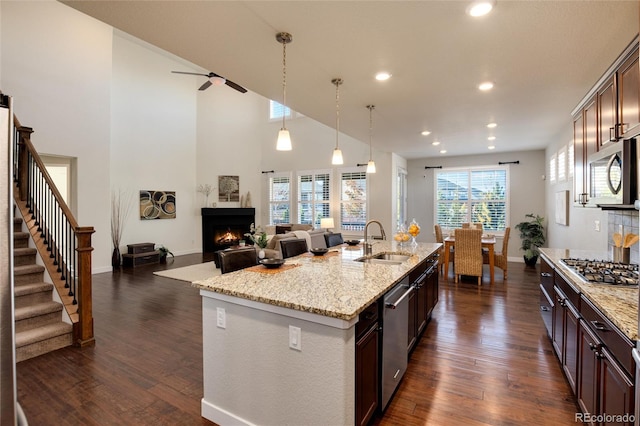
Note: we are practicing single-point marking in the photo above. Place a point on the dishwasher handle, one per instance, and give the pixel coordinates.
(395, 304)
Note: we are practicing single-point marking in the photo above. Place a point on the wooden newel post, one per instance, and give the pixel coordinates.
(24, 133)
(83, 329)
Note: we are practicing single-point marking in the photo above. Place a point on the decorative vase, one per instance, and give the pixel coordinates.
(115, 258)
(163, 259)
(261, 254)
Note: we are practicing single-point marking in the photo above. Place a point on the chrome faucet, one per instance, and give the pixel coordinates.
(367, 245)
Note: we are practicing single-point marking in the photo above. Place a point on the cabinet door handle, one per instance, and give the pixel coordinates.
(545, 274)
(598, 325)
(544, 308)
(612, 136)
(593, 347)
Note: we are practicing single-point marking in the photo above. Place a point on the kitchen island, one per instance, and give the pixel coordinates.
(279, 347)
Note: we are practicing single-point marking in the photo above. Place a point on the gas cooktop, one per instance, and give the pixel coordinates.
(604, 271)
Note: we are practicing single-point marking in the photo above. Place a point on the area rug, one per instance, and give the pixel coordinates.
(192, 273)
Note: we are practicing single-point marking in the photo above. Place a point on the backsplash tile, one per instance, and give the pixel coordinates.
(628, 220)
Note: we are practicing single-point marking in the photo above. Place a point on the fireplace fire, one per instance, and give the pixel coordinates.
(224, 227)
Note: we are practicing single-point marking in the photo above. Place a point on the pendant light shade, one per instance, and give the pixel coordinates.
(337, 159)
(371, 165)
(284, 139)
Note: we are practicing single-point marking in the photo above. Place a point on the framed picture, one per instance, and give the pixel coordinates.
(157, 204)
(562, 208)
(229, 188)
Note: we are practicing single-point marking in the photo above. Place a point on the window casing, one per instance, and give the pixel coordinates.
(402, 196)
(472, 195)
(314, 197)
(353, 200)
(280, 199)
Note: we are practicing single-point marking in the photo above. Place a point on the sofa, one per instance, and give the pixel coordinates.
(315, 237)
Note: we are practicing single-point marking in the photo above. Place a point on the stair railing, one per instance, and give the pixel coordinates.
(68, 245)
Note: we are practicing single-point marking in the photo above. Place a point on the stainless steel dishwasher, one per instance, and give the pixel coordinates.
(395, 325)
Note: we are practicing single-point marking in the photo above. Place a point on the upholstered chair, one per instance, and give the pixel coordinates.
(500, 258)
(333, 239)
(469, 253)
(234, 260)
(293, 247)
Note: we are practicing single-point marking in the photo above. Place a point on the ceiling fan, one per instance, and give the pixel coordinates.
(215, 80)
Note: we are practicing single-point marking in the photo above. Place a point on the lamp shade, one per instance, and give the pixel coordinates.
(284, 140)
(371, 167)
(337, 157)
(326, 223)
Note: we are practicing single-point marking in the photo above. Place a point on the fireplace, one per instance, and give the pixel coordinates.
(222, 228)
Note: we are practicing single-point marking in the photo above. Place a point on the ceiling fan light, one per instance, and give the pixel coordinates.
(480, 7)
(284, 140)
(337, 160)
(371, 166)
(216, 80)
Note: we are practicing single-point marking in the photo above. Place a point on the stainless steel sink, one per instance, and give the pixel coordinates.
(384, 258)
(391, 256)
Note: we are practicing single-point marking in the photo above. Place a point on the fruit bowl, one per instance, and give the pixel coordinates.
(319, 251)
(352, 242)
(272, 263)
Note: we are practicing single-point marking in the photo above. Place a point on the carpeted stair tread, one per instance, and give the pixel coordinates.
(26, 289)
(37, 310)
(27, 269)
(24, 251)
(39, 334)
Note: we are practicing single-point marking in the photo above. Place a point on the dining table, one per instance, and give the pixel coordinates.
(488, 242)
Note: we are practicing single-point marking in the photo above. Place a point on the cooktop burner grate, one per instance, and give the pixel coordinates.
(604, 271)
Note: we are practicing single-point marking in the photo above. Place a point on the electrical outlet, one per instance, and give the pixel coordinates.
(295, 338)
(221, 318)
(597, 226)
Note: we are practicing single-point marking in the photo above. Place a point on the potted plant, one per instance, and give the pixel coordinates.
(163, 253)
(532, 236)
(259, 238)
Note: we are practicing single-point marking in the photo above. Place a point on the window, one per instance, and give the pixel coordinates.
(570, 161)
(562, 164)
(277, 110)
(472, 195)
(353, 201)
(279, 199)
(314, 197)
(552, 169)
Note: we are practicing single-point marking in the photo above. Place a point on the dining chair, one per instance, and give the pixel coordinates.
(468, 253)
(477, 225)
(293, 247)
(234, 260)
(440, 239)
(500, 258)
(333, 239)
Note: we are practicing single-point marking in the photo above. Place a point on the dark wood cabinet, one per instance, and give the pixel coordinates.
(412, 329)
(546, 295)
(607, 118)
(605, 384)
(565, 327)
(629, 97)
(579, 161)
(424, 280)
(367, 380)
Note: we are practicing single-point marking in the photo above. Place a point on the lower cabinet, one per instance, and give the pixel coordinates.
(565, 328)
(367, 380)
(422, 300)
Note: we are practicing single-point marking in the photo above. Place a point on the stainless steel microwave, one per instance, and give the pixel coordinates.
(612, 175)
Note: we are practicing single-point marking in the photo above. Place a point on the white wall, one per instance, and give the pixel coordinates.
(526, 194)
(61, 86)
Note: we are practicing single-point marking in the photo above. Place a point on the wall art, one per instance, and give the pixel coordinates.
(229, 188)
(157, 204)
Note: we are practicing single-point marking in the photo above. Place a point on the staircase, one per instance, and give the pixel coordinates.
(38, 318)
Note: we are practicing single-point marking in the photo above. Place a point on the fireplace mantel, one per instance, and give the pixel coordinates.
(238, 219)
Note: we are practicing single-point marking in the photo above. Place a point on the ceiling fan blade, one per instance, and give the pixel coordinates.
(205, 85)
(236, 86)
(190, 73)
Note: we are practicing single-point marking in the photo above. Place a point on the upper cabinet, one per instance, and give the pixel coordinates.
(608, 113)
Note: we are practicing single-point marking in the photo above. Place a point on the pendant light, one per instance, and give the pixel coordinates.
(337, 153)
(371, 165)
(284, 139)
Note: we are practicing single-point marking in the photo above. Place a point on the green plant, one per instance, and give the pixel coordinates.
(258, 236)
(532, 235)
(164, 251)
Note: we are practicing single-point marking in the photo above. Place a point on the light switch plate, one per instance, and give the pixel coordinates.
(295, 338)
(221, 318)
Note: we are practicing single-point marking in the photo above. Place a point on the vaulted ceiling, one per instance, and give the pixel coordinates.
(542, 56)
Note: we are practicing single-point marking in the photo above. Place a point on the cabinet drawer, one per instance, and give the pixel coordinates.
(617, 343)
(546, 276)
(569, 290)
(366, 318)
(419, 270)
(140, 248)
(140, 259)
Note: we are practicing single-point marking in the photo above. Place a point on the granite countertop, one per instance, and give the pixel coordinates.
(618, 303)
(332, 285)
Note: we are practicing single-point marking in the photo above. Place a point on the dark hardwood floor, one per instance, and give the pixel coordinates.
(484, 359)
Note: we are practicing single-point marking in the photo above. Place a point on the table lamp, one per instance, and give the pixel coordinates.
(327, 223)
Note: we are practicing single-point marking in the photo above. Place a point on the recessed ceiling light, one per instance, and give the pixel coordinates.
(487, 85)
(435, 143)
(443, 151)
(492, 125)
(425, 133)
(480, 7)
(491, 138)
(491, 147)
(382, 76)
